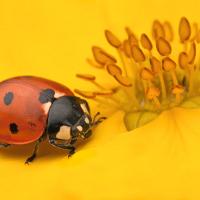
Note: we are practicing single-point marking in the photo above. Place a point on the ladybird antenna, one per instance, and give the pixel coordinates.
(96, 121)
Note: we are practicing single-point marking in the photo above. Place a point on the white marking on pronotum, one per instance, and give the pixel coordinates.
(80, 128)
(84, 108)
(46, 107)
(58, 94)
(64, 133)
(87, 120)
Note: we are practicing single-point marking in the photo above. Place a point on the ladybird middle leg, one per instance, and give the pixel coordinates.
(34, 154)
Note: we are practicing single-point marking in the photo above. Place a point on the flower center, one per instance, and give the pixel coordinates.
(150, 77)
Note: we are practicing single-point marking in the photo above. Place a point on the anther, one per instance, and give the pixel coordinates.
(112, 39)
(169, 35)
(85, 94)
(157, 30)
(146, 74)
(192, 53)
(163, 46)
(123, 80)
(155, 65)
(88, 77)
(127, 48)
(183, 60)
(137, 54)
(146, 42)
(152, 94)
(113, 69)
(128, 31)
(132, 40)
(184, 29)
(102, 57)
(168, 64)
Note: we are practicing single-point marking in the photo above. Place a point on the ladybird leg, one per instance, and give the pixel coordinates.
(33, 156)
(4, 145)
(69, 146)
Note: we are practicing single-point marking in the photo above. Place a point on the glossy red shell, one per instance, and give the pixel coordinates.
(25, 110)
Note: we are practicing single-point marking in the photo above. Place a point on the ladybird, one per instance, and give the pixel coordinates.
(33, 109)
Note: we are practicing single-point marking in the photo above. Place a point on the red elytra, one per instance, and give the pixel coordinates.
(24, 108)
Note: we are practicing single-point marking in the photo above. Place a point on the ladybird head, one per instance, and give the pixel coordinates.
(85, 124)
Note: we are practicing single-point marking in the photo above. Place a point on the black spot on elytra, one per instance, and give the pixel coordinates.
(46, 95)
(8, 98)
(13, 128)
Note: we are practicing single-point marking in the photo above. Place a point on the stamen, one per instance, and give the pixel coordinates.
(94, 95)
(104, 93)
(183, 60)
(94, 64)
(163, 46)
(191, 59)
(192, 53)
(152, 94)
(178, 90)
(137, 54)
(194, 30)
(86, 94)
(120, 53)
(102, 57)
(169, 66)
(184, 29)
(128, 31)
(156, 67)
(146, 42)
(157, 30)
(146, 74)
(127, 48)
(123, 80)
(113, 69)
(150, 76)
(116, 43)
(198, 36)
(88, 77)
(132, 40)
(91, 78)
(112, 39)
(169, 35)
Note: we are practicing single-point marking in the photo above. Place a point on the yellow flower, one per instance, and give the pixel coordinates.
(51, 39)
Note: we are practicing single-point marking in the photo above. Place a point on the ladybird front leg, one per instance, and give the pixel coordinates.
(63, 145)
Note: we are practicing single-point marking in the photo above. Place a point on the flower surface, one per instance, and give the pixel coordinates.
(157, 161)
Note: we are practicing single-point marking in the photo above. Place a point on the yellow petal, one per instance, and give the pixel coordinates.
(158, 161)
(52, 39)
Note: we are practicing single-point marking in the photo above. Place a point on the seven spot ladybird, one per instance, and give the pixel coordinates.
(33, 109)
